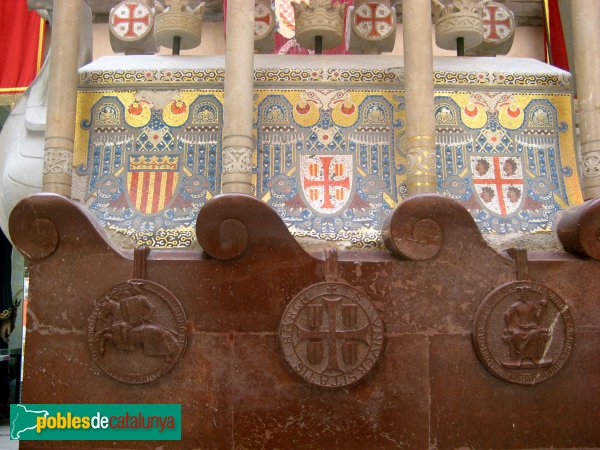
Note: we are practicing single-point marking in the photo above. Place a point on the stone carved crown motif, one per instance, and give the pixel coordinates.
(319, 11)
(319, 15)
(178, 19)
(181, 6)
(460, 19)
(441, 10)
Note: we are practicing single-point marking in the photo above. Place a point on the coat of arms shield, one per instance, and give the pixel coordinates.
(498, 182)
(152, 181)
(326, 181)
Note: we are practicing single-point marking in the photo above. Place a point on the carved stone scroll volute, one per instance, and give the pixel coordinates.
(579, 229)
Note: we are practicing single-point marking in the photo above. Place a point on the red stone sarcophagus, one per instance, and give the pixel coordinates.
(439, 342)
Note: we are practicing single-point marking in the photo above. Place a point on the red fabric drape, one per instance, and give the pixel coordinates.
(284, 39)
(21, 46)
(554, 39)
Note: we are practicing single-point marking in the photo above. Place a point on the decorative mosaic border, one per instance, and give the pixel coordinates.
(150, 77)
(390, 75)
(502, 79)
(365, 238)
(174, 238)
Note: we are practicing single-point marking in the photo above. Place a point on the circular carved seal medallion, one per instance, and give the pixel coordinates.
(331, 334)
(137, 331)
(523, 332)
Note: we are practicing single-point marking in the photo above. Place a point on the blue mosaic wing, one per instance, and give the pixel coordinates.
(110, 139)
(539, 144)
(279, 140)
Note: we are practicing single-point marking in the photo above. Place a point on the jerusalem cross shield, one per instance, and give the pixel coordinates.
(326, 181)
(498, 182)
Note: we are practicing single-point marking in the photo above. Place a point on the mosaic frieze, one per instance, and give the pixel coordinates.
(149, 161)
(328, 158)
(150, 76)
(329, 162)
(508, 158)
(262, 75)
(490, 79)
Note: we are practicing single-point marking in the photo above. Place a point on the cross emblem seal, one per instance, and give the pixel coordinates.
(263, 20)
(331, 334)
(130, 21)
(373, 20)
(498, 22)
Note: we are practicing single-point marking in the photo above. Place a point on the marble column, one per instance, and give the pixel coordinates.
(419, 140)
(238, 141)
(586, 34)
(62, 97)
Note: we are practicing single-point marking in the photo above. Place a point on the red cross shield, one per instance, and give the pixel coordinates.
(326, 181)
(498, 182)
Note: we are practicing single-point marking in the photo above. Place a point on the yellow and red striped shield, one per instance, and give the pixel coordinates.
(151, 190)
